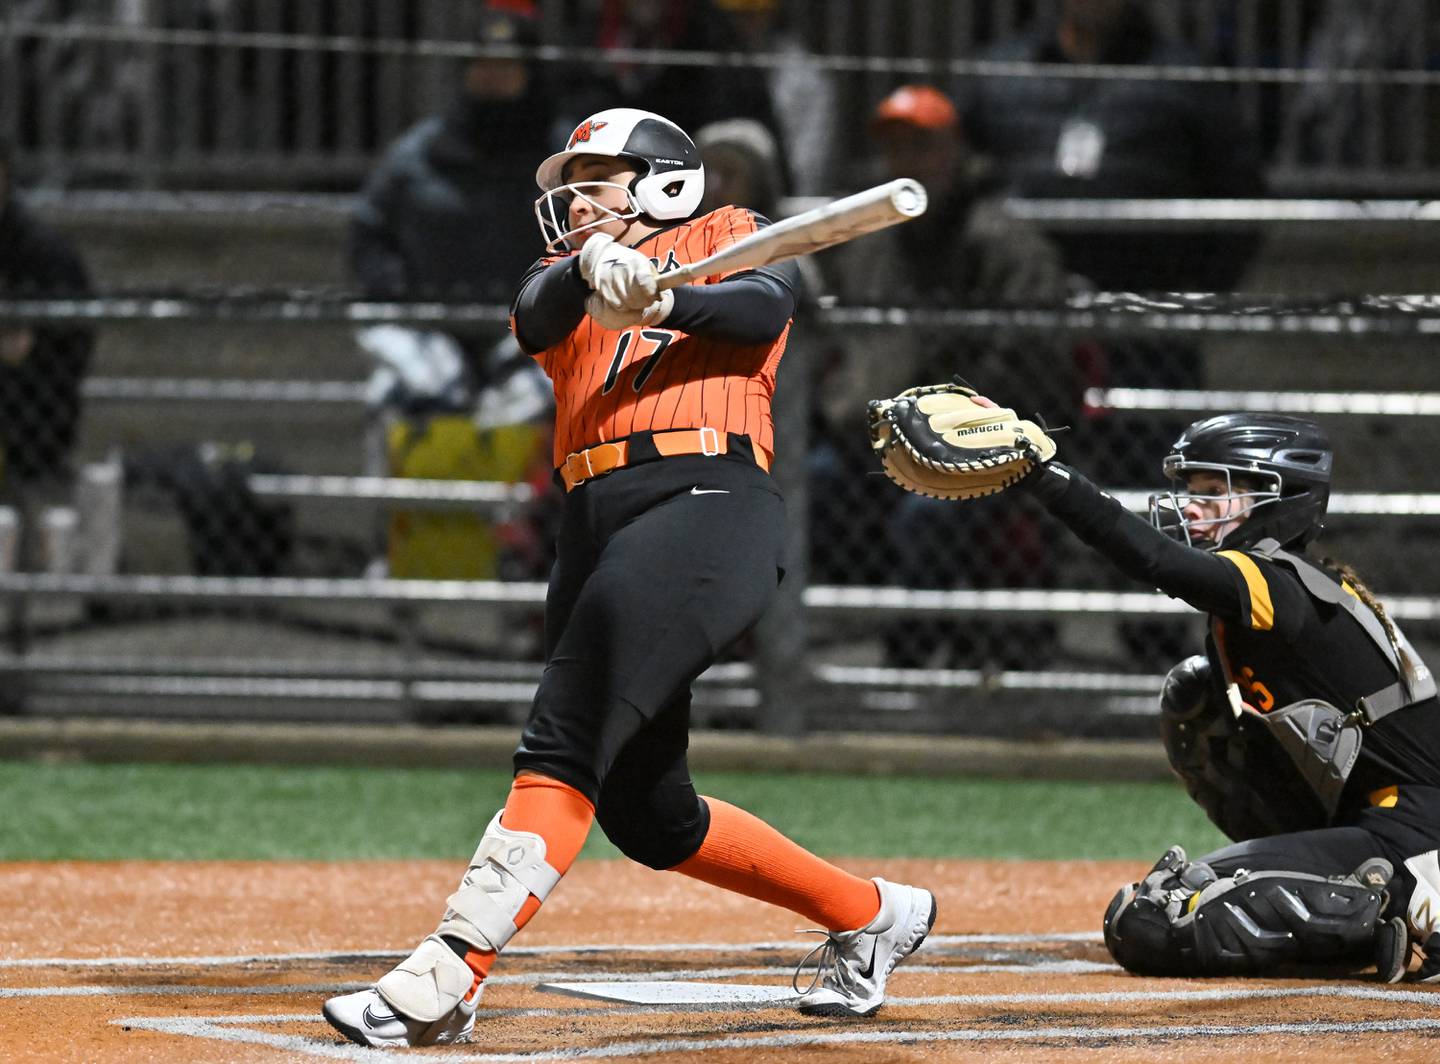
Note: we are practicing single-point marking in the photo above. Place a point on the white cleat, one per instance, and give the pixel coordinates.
(368, 1020)
(852, 966)
(429, 998)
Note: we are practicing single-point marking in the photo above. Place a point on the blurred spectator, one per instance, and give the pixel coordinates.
(964, 250)
(1135, 137)
(448, 214)
(1361, 125)
(804, 96)
(742, 166)
(690, 96)
(41, 366)
(1057, 137)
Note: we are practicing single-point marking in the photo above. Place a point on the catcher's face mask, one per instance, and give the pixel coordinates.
(1206, 502)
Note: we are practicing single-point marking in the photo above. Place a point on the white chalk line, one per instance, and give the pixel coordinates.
(332, 956)
(227, 1029)
(1121, 997)
(233, 1029)
(522, 978)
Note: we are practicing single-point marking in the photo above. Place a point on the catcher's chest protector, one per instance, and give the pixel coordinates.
(1324, 740)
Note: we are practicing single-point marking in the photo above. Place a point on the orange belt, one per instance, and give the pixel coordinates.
(606, 457)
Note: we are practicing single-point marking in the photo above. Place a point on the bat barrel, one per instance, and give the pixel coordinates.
(834, 223)
(904, 196)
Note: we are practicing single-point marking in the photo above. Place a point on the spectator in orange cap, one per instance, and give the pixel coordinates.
(965, 247)
(918, 131)
(964, 250)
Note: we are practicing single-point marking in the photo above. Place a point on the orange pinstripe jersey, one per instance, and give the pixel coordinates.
(610, 383)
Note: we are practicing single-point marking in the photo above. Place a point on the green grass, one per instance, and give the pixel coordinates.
(51, 811)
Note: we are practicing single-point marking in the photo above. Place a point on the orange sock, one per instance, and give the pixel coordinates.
(560, 815)
(742, 853)
(555, 811)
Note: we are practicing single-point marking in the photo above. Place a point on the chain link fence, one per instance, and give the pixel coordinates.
(240, 479)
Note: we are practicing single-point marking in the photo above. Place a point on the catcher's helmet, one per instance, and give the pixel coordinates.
(1286, 461)
(670, 181)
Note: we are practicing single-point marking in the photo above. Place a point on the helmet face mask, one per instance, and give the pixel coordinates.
(670, 181)
(552, 211)
(1231, 506)
(1275, 471)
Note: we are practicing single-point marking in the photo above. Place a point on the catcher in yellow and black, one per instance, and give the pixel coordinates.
(1309, 730)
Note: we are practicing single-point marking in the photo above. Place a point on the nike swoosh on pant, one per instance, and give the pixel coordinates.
(697, 490)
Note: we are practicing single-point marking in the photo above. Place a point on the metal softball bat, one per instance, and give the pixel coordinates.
(825, 226)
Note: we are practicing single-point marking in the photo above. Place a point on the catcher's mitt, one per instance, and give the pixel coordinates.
(938, 441)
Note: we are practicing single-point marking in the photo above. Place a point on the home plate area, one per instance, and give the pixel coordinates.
(210, 962)
(962, 997)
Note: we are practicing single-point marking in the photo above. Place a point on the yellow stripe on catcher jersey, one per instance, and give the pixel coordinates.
(1262, 611)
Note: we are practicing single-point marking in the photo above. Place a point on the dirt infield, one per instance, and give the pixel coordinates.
(132, 961)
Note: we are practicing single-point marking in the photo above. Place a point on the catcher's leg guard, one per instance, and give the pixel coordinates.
(1182, 920)
(507, 868)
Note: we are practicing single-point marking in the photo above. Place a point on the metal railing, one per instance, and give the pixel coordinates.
(140, 92)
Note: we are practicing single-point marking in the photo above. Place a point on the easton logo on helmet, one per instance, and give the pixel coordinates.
(584, 131)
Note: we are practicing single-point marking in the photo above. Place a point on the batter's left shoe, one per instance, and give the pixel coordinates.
(852, 966)
(368, 1020)
(428, 999)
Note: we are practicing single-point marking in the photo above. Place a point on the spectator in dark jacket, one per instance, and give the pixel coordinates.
(1058, 137)
(41, 365)
(446, 212)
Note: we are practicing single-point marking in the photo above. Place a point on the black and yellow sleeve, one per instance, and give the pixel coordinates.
(1257, 608)
(1271, 597)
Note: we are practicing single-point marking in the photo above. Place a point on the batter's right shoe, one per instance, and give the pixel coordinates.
(852, 966)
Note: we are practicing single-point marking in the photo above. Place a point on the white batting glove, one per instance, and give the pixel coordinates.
(620, 275)
(608, 317)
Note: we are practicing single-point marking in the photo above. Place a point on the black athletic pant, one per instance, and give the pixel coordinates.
(1410, 827)
(659, 567)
